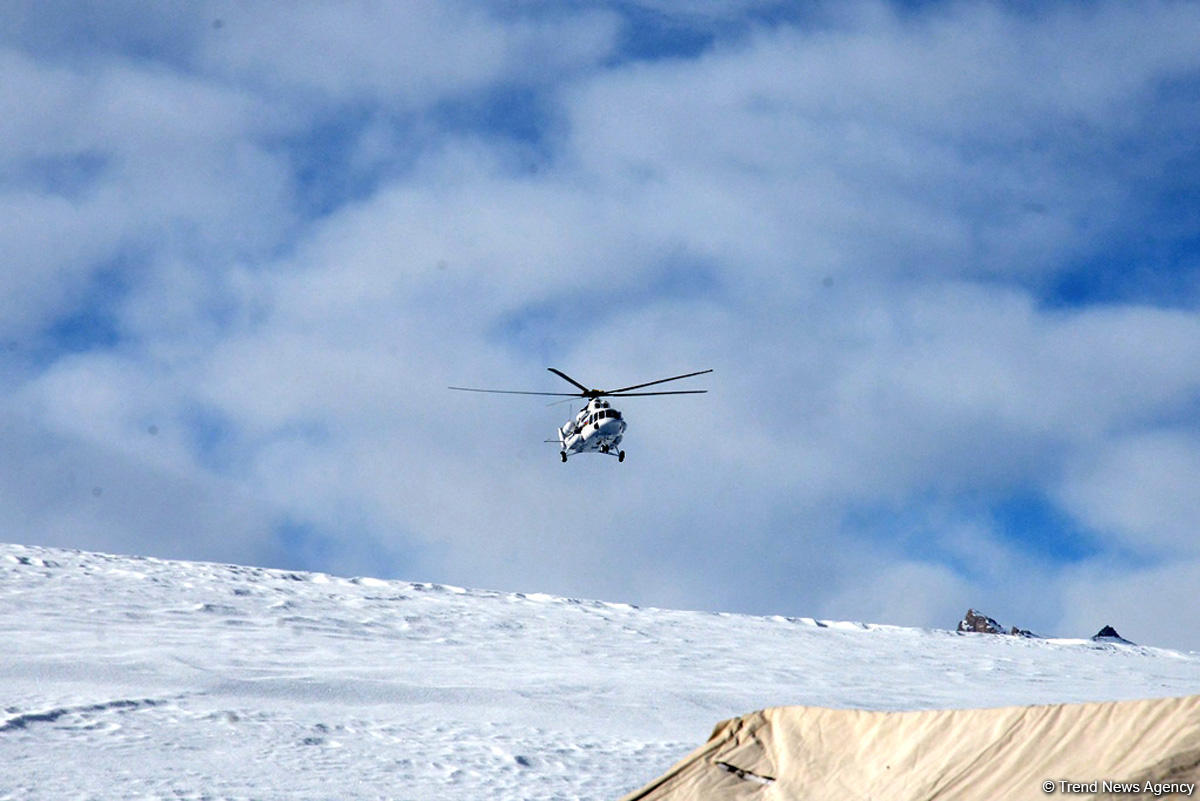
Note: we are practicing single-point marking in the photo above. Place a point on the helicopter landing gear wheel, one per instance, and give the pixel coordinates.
(563, 454)
(620, 456)
(604, 449)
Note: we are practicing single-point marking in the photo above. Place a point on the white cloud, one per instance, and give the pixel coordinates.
(1140, 490)
(972, 387)
(957, 143)
(173, 169)
(851, 222)
(422, 54)
(69, 492)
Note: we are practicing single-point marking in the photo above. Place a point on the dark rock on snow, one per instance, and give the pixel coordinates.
(1109, 634)
(982, 624)
(977, 622)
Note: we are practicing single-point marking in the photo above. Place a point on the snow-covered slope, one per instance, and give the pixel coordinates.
(128, 678)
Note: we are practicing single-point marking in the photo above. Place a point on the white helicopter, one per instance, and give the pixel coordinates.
(597, 427)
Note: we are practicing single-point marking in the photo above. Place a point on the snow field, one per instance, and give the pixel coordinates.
(133, 678)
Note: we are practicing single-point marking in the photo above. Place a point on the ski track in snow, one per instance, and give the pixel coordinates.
(133, 678)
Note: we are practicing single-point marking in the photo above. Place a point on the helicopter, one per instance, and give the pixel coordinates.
(597, 427)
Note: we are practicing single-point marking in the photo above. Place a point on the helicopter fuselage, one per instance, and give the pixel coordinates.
(596, 428)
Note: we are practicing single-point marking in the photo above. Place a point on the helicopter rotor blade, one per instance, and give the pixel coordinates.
(563, 375)
(594, 393)
(517, 392)
(669, 392)
(659, 381)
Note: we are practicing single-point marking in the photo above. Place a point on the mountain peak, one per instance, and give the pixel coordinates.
(1109, 634)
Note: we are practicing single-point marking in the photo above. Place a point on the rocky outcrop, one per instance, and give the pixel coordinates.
(979, 623)
(1109, 634)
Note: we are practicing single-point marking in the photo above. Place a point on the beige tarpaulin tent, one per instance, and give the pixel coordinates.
(1094, 750)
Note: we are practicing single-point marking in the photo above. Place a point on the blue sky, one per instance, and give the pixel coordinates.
(943, 258)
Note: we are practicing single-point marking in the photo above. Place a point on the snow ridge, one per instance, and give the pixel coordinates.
(24, 720)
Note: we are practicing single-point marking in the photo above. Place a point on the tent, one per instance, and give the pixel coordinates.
(1092, 750)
